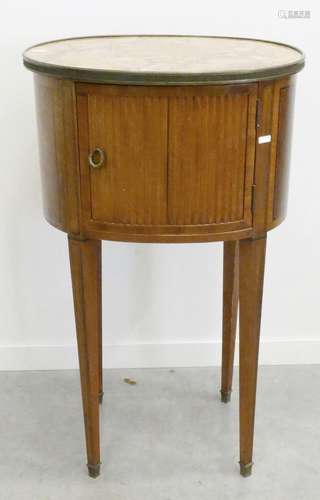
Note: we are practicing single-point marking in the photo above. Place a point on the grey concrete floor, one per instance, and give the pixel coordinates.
(166, 438)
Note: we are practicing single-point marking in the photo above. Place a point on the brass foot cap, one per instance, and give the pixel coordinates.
(225, 396)
(94, 470)
(101, 397)
(246, 469)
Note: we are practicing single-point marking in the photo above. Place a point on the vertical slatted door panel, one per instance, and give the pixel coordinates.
(131, 188)
(211, 157)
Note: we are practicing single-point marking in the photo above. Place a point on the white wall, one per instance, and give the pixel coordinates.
(162, 303)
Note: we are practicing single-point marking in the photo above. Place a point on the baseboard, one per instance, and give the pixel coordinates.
(180, 354)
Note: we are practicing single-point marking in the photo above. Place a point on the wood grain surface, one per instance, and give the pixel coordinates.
(229, 314)
(184, 172)
(182, 164)
(58, 147)
(86, 283)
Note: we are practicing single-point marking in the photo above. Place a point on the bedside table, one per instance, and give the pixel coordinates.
(166, 139)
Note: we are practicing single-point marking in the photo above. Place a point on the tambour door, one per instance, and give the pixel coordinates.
(211, 156)
(176, 160)
(127, 181)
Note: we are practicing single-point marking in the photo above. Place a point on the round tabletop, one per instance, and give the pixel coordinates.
(164, 59)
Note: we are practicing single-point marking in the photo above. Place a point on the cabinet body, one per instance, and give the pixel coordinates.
(182, 163)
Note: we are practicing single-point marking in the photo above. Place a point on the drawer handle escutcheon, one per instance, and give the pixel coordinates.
(96, 158)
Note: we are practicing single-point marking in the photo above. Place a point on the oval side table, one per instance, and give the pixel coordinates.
(166, 139)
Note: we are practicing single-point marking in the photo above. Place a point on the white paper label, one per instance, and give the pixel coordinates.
(264, 138)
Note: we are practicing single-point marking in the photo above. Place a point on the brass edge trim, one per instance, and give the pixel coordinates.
(154, 78)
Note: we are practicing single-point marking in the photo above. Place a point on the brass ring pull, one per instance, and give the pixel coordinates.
(96, 158)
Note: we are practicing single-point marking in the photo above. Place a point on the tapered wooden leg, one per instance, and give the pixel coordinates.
(230, 311)
(252, 258)
(85, 273)
(99, 292)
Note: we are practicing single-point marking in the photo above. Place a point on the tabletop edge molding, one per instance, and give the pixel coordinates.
(126, 77)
